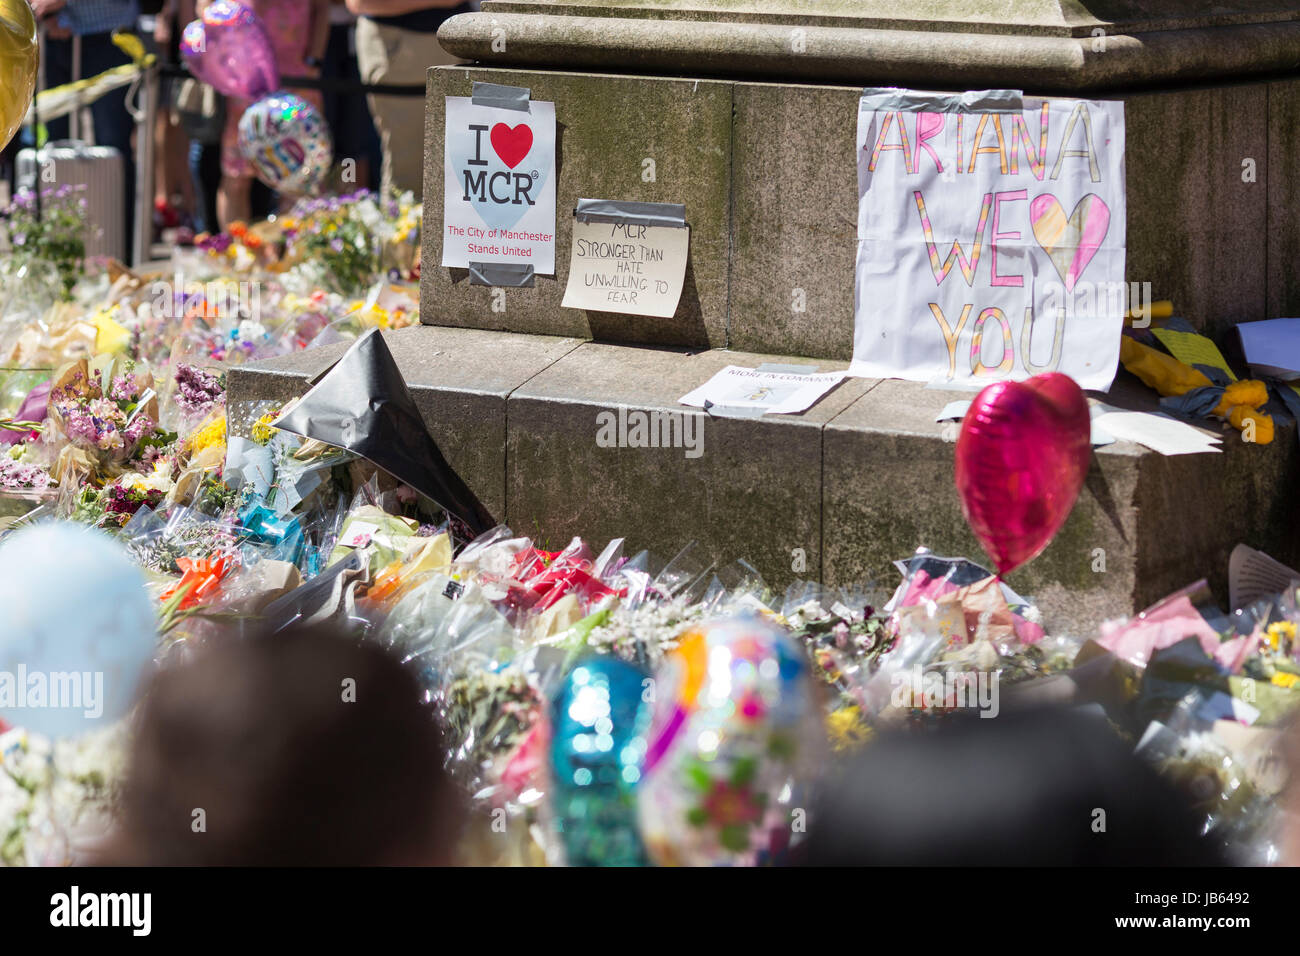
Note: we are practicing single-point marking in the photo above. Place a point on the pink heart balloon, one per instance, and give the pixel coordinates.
(1022, 456)
(230, 49)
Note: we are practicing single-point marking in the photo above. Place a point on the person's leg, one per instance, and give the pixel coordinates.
(234, 199)
(372, 63)
(348, 114)
(205, 168)
(173, 194)
(234, 193)
(203, 215)
(58, 70)
(410, 54)
(113, 125)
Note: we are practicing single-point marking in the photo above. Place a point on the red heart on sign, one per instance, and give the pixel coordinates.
(512, 145)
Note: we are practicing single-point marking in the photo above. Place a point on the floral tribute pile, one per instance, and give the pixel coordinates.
(116, 417)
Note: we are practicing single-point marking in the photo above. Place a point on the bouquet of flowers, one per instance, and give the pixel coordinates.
(55, 238)
(345, 243)
(110, 416)
(57, 797)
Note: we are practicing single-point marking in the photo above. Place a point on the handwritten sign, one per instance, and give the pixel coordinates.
(625, 264)
(991, 233)
(499, 199)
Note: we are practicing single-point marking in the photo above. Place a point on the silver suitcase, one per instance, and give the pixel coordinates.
(97, 168)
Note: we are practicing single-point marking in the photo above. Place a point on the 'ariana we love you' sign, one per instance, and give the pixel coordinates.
(499, 204)
(991, 232)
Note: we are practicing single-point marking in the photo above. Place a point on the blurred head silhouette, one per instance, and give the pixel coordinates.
(1290, 798)
(1027, 788)
(301, 748)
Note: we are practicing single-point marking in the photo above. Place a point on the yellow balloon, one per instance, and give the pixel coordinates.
(19, 52)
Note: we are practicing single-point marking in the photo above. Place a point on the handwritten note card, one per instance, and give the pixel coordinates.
(627, 263)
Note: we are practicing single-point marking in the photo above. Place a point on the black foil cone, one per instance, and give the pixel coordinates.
(362, 405)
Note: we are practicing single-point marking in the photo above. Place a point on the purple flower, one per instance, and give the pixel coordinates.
(140, 426)
(197, 389)
(123, 389)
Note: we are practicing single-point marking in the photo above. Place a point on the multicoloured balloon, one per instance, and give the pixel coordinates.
(231, 51)
(599, 720)
(287, 141)
(733, 720)
(1022, 457)
(19, 53)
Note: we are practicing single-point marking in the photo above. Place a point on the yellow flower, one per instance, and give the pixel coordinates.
(262, 429)
(213, 433)
(1279, 631)
(846, 729)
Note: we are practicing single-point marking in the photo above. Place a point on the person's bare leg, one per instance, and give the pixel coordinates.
(233, 199)
(162, 165)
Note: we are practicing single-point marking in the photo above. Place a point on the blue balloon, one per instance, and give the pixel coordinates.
(79, 629)
(598, 726)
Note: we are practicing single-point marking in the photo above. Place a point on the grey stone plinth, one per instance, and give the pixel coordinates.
(754, 491)
(1283, 199)
(861, 479)
(795, 212)
(460, 379)
(1157, 522)
(1048, 47)
(1194, 214)
(767, 175)
(617, 138)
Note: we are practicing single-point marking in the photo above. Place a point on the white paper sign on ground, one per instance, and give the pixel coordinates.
(499, 201)
(625, 267)
(774, 393)
(1161, 433)
(991, 232)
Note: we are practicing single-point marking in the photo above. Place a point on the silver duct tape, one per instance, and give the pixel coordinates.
(510, 275)
(921, 101)
(631, 213)
(780, 369)
(501, 97)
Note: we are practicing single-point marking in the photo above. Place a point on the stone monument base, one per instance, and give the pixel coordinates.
(836, 494)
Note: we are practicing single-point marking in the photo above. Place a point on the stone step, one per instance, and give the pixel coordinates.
(862, 478)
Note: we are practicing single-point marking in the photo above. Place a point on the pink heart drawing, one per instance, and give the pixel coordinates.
(1070, 242)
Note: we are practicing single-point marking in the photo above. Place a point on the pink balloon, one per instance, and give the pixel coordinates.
(229, 49)
(193, 43)
(1022, 456)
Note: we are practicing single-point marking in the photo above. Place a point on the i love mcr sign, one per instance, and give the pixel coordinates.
(499, 205)
(990, 237)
